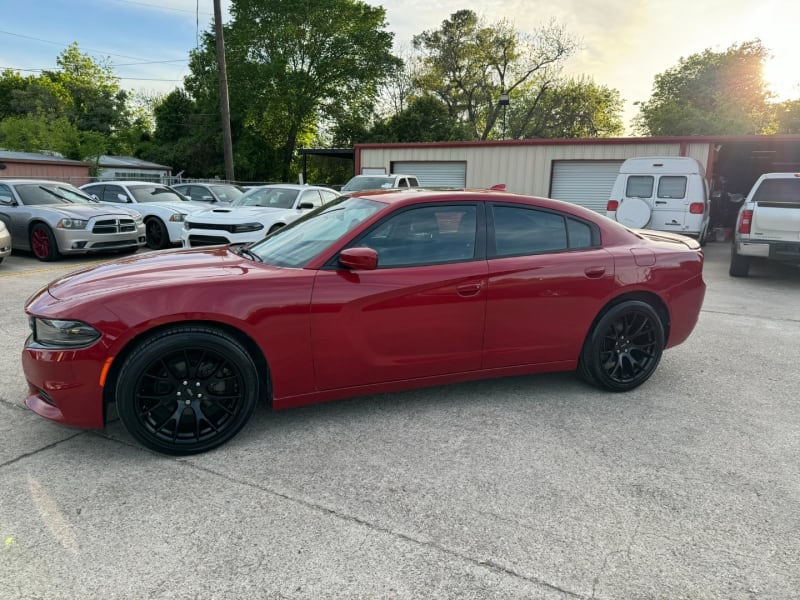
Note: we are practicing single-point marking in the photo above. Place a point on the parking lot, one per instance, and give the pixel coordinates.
(525, 487)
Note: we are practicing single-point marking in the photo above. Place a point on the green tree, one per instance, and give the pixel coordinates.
(468, 64)
(787, 117)
(97, 102)
(294, 63)
(425, 119)
(710, 93)
(574, 108)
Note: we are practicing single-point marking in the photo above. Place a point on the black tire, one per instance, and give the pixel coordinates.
(187, 390)
(157, 234)
(740, 265)
(43, 243)
(275, 228)
(624, 348)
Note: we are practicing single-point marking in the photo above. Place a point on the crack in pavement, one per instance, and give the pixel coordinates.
(42, 449)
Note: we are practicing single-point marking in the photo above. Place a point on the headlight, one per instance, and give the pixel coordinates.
(138, 219)
(178, 217)
(245, 227)
(52, 332)
(72, 224)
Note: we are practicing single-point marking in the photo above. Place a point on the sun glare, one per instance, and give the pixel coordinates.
(782, 77)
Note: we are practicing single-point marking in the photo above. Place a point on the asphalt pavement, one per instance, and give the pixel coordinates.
(524, 487)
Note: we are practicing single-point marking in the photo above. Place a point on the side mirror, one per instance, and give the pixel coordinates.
(7, 201)
(122, 198)
(204, 198)
(306, 205)
(360, 259)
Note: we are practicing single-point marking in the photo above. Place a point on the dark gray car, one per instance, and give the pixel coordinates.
(51, 218)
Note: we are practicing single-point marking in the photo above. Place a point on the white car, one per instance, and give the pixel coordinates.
(162, 208)
(210, 193)
(5, 241)
(259, 212)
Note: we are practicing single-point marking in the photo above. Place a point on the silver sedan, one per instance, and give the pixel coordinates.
(51, 218)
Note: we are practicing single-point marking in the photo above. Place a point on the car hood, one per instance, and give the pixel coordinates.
(181, 206)
(171, 268)
(239, 214)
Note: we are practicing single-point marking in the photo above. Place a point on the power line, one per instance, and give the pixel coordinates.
(28, 37)
(181, 10)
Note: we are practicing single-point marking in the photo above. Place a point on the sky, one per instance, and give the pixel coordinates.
(624, 44)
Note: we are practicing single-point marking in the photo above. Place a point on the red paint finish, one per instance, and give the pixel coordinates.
(326, 332)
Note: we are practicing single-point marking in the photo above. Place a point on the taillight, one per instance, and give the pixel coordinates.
(697, 208)
(612, 205)
(745, 221)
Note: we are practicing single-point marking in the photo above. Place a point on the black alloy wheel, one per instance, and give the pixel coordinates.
(187, 390)
(624, 348)
(157, 234)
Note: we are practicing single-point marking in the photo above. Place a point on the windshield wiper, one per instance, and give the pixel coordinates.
(56, 194)
(245, 251)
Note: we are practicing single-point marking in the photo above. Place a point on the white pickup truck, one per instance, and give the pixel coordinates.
(768, 225)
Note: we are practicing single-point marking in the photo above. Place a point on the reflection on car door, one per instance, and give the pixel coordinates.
(419, 314)
(548, 277)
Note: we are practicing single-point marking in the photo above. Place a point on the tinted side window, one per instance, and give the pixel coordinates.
(424, 236)
(402, 183)
(412, 182)
(519, 231)
(111, 193)
(94, 190)
(5, 192)
(579, 233)
(672, 186)
(639, 186)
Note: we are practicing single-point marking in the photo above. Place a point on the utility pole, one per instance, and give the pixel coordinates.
(224, 103)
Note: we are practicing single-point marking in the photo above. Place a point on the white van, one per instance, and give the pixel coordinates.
(665, 193)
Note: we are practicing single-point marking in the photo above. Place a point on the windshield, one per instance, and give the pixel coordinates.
(154, 193)
(33, 194)
(302, 240)
(368, 183)
(268, 197)
(227, 193)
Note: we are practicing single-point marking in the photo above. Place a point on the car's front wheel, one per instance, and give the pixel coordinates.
(624, 348)
(187, 390)
(157, 234)
(43, 243)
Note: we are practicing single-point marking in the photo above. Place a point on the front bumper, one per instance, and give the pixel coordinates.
(193, 238)
(64, 385)
(80, 241)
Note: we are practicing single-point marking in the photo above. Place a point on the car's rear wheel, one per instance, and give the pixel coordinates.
(624, 348)
(157, 234)
(740, 265)
(43, 243)
(187, 390)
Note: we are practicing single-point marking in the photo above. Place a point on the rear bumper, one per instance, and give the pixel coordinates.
(783, 251)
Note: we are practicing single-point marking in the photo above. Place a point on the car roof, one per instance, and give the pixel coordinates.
(123, 182)
(291, 186)
(22, 180)
(418, 195)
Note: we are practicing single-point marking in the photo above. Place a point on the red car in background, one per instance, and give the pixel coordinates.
(370, 293)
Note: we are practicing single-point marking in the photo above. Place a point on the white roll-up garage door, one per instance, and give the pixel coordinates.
(434, 174)
(584, 182)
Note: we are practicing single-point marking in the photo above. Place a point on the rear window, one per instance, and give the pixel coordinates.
(639, 186)
(778, 190)
(672, 186)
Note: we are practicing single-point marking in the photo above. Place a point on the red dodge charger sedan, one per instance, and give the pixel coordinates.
(370, 293)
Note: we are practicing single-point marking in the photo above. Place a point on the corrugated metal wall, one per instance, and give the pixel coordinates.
(523, 168)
